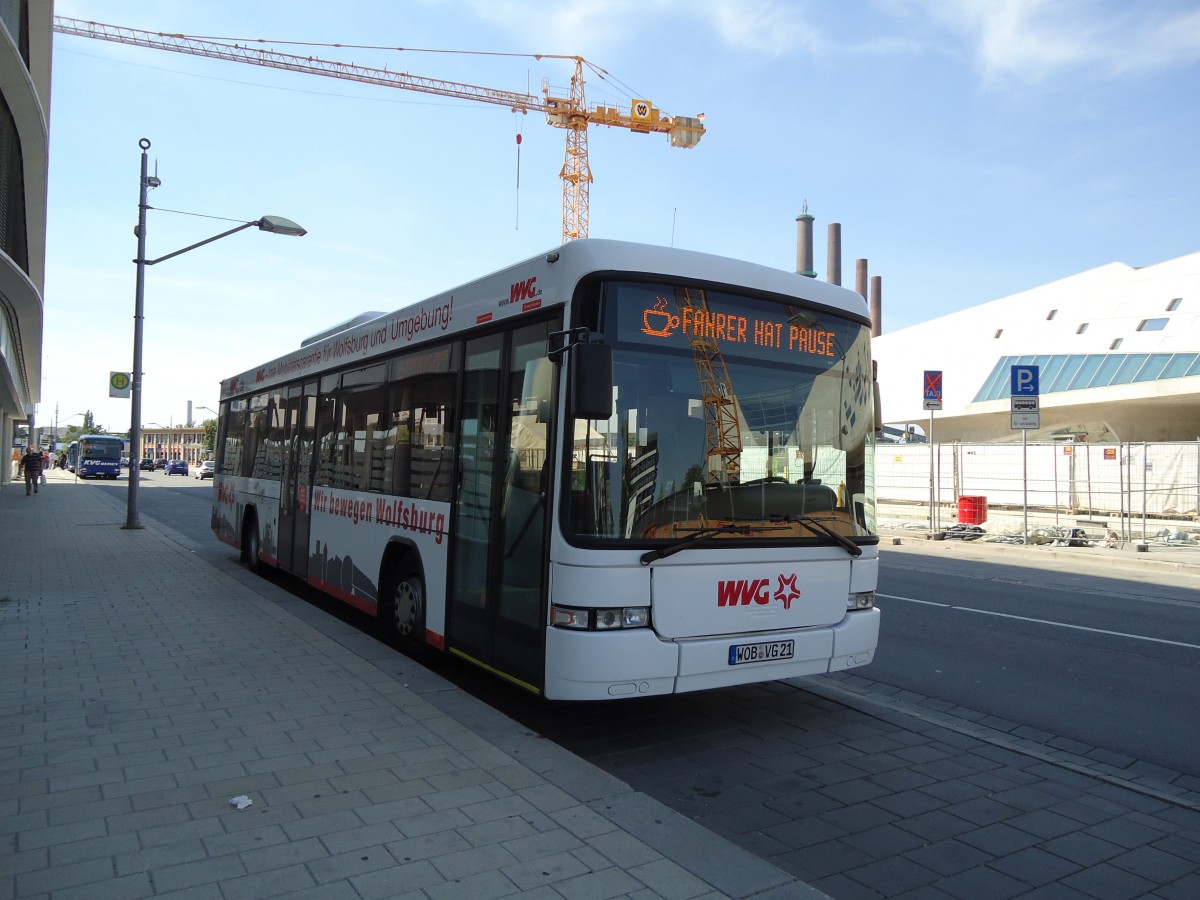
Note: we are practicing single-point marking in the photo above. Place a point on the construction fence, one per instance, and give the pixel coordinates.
(1134, 481)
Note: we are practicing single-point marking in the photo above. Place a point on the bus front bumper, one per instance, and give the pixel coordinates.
(607, 665)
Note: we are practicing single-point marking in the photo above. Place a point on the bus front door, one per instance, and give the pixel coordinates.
(295, 490)
(498, 594)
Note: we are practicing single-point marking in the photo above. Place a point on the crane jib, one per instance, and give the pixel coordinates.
(571, 113)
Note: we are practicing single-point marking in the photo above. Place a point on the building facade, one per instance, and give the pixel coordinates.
(186, 443)
(1117, 350)
(26, 40)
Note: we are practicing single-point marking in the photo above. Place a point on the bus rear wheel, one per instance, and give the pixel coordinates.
(250, 544)
(403, 607)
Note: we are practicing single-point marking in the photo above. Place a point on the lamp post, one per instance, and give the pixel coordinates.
(163, 440)
(272, 224)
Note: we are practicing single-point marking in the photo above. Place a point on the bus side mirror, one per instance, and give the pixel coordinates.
(878, 403)
(589, 372)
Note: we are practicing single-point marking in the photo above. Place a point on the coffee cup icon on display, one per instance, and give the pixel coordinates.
(663, 324)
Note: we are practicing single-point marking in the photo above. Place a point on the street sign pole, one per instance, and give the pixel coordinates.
(1025, 482)
(932, 394)
(1025, 415)
(932, 489)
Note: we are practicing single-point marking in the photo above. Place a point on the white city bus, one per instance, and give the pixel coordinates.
(611, 470)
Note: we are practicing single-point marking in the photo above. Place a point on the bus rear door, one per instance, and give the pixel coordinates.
(295, 491)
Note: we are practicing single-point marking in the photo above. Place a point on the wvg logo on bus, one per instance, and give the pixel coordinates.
(520, 291)
(743, 592)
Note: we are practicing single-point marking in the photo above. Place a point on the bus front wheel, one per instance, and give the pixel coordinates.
(403, 609)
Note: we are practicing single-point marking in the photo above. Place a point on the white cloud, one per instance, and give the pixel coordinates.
(1036, 40)
(767, 27)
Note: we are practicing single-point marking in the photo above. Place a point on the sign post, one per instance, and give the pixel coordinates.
(1026, 414)
(932, 400)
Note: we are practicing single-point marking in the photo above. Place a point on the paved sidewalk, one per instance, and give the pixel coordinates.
(143, 688)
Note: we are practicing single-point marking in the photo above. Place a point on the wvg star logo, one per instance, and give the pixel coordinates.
(787, 590)
(744, 592)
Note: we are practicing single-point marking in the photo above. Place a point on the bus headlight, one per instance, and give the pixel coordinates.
(606, 619)
(865, 600)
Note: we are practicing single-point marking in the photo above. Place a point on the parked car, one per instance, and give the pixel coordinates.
(146, 465)
(160, 463)
(177, 467)
(206, 469)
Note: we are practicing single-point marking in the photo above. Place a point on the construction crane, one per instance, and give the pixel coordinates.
(570, 113)
(722, 419)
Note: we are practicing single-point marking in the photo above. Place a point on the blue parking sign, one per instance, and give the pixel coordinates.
(1024, 381)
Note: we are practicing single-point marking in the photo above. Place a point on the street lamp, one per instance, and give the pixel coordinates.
(271, 224)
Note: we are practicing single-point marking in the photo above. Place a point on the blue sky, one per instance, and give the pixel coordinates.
(969, 149)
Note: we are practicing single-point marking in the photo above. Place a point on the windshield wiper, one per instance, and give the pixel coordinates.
(817, 525)
(701, 534)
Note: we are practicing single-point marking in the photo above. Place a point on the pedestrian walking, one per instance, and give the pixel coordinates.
(31, 465)
(45, 464)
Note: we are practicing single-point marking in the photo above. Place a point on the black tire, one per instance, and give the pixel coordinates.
(250, 544)
(402, 610)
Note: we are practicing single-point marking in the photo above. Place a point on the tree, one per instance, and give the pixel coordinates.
(210, 435)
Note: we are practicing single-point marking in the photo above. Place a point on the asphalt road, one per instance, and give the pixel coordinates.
(1109, 661)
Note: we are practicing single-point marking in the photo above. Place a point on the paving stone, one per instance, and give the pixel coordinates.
(894, 875)
(1043, 824)
(821, 860)
(1186, 888)
(284, 881)
(883, 841)
(386, 884)
(1155, 865)
(341, 866)
(1124, 832)
(948, 857)
(982, 881)
(935, 825)
(805, 832)
(1035, 867)
(909, 804)
(94, 872)
(1107, 882)
(1083, 849)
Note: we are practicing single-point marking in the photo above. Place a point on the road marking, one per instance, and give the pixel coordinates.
(988, 612)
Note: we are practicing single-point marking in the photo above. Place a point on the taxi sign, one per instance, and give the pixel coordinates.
(933, 390)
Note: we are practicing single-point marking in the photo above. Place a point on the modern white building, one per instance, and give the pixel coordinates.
(1117, 350)
(26, 37)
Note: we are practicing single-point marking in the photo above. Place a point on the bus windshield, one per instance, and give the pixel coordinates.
(729, 410)
(102, 447)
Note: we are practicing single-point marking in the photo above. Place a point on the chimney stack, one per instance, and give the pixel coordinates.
(834, 266)
(860, 277)
(876, 305)
(804, 244)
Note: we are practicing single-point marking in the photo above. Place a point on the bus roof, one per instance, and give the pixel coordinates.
(540, 282)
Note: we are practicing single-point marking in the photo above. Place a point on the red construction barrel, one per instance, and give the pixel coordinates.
(972, 510)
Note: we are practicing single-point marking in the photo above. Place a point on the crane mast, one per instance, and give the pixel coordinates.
(722, 420)
(570, 113)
